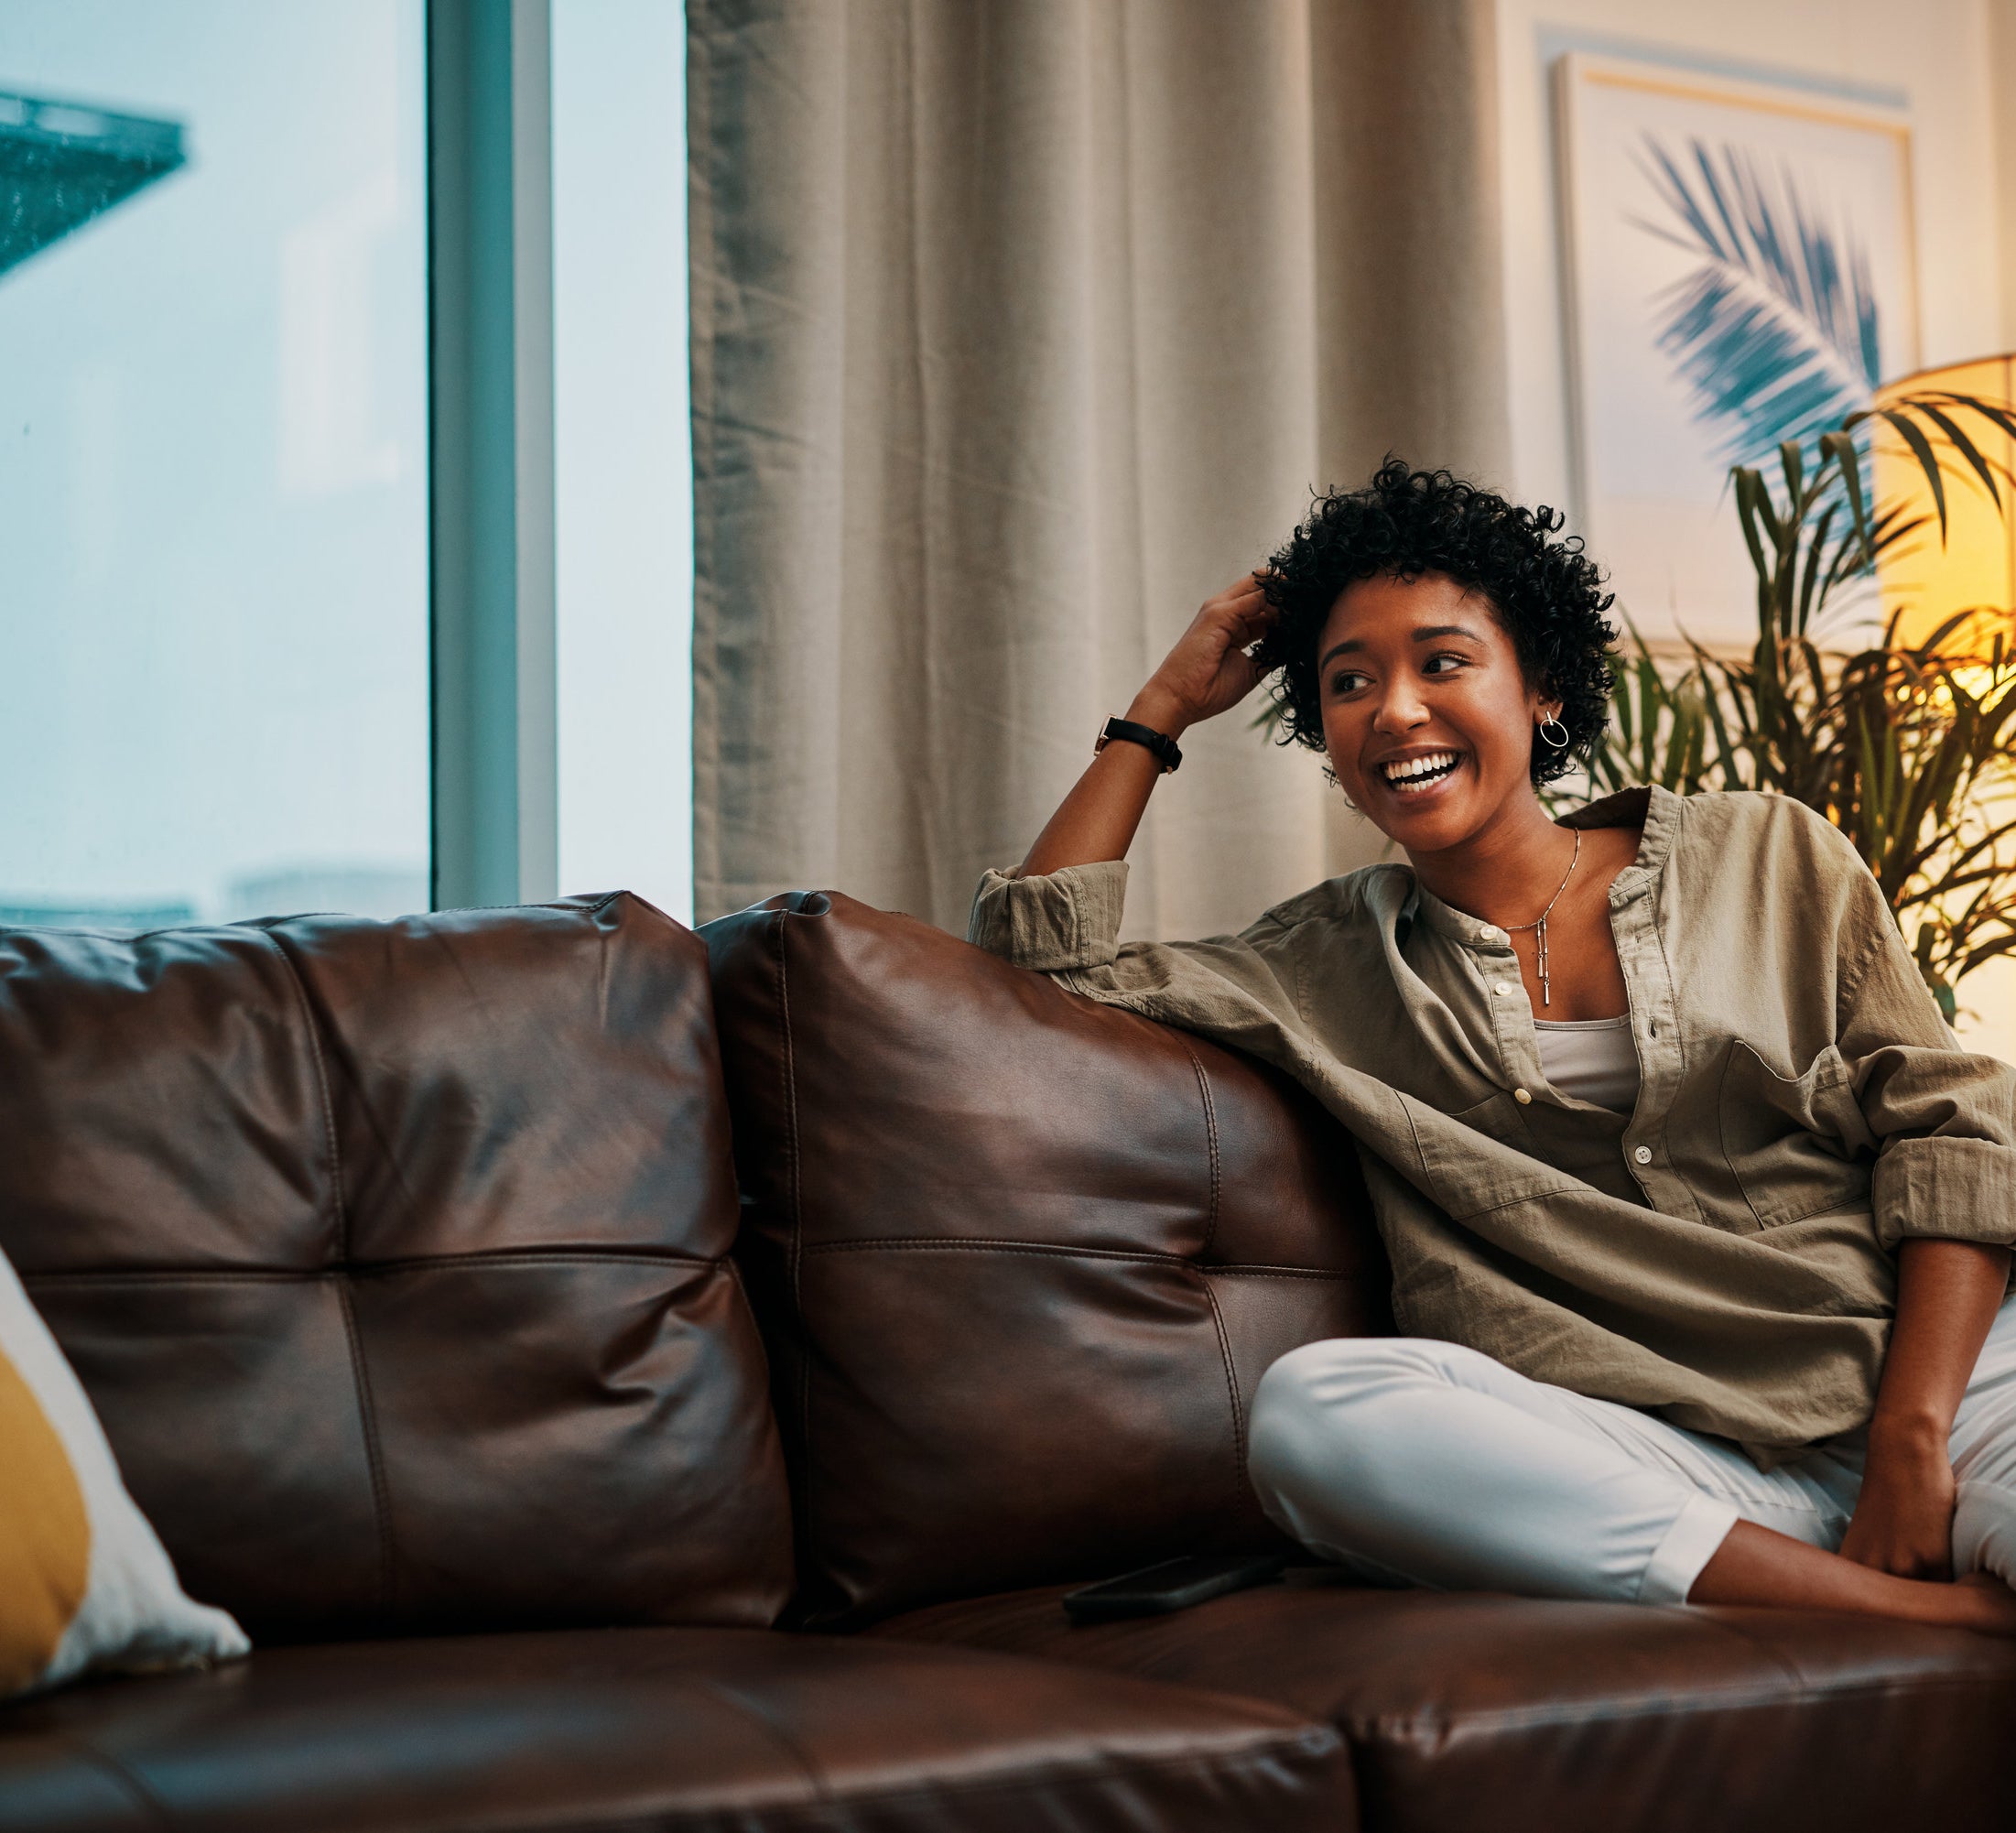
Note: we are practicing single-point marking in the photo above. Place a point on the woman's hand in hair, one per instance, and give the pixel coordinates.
(1209, 671)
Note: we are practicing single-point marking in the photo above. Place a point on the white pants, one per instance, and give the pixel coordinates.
(1418, 1462)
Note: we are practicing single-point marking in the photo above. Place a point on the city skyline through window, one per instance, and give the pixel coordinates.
(213, 467)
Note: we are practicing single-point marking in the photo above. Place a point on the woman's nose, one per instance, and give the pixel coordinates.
(1400, 710)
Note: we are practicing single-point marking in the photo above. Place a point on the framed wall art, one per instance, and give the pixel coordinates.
(1741, 268)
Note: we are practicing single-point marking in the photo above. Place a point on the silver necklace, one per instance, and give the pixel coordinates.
(1540, 922)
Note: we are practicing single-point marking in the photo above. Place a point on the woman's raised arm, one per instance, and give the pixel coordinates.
(1207, 672)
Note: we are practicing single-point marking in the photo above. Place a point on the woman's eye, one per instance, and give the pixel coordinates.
(1433, 664)
(1347, 681)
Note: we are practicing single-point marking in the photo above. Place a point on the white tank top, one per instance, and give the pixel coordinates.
(1594, 1059)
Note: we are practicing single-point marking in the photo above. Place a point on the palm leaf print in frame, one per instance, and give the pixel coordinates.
(1775, 332)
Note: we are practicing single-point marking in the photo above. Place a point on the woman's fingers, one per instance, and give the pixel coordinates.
(1246, 586)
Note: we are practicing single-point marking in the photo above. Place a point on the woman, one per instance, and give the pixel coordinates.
(1699, 1218)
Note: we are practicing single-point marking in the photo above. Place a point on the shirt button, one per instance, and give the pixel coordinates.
(1490, 932)
(1523, 1098)
(1642, 1155)
(1503, 991)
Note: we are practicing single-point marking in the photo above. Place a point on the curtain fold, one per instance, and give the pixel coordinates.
(1020, 326)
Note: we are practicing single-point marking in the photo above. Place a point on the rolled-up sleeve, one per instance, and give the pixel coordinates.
(1063, 920)
(1944, 1118)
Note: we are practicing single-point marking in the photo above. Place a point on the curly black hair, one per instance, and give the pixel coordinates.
(1546, 591)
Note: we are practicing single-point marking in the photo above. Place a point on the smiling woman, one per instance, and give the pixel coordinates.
(1599, 1298)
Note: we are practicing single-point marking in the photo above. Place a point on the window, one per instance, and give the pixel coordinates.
(622, 450)
(213, 460)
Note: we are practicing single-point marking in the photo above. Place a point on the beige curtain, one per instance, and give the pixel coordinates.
(1020, 326)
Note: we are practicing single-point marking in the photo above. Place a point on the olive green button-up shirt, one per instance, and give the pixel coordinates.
(1720, 1254)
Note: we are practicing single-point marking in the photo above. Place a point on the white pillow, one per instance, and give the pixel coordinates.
(84, 1582)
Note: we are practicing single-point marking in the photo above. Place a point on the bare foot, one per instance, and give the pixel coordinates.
(1992, 1605)
(1759, 1565)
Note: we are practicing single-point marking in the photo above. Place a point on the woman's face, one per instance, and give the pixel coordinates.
(1427, 716)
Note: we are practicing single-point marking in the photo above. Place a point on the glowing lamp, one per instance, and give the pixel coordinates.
(1977, 565)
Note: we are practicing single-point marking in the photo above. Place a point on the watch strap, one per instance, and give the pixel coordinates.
(1164, 747)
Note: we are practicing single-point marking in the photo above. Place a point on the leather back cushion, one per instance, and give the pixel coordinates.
(1020, 1259)
(394, 1259)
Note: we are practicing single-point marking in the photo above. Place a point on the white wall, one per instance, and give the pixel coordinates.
(1938, 58)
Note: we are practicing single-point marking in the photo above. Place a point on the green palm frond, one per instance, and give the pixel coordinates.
(1775, 332)
(1909, 747)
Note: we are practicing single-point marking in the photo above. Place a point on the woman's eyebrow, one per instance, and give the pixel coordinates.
(1427, 633)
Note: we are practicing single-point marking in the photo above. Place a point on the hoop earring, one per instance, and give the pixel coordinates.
(1331, 777)
(1560, 743)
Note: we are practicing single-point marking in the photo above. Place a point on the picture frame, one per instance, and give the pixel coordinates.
(1739, 267)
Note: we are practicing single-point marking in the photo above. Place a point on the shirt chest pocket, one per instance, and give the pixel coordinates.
(1467, 1181)
(1798, 1145)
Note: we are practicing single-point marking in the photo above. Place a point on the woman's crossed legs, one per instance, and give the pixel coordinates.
(1416, 1462)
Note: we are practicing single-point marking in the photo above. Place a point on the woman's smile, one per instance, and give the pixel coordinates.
(1418, 774)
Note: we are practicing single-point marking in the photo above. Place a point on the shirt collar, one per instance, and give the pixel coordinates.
(1657, 809)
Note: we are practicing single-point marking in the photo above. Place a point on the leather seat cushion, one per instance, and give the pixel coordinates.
(1021, 1258)
(394, 1257)
(1581, 1717)
(660, 1729)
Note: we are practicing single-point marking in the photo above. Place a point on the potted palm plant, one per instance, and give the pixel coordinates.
(1904, 745)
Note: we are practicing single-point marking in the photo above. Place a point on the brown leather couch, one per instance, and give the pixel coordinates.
(403, 1265)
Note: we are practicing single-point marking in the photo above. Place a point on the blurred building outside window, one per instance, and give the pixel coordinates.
(213, 460)
(214, 464)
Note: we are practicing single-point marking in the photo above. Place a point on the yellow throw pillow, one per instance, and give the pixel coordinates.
(84, 1582)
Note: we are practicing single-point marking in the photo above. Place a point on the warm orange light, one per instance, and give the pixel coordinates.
(1977, 568)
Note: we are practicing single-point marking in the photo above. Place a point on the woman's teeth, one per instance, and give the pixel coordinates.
(1410, 775)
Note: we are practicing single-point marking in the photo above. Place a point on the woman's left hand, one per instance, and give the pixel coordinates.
(1904, 1517)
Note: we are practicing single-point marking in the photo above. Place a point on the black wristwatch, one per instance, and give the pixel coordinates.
(1160, 742)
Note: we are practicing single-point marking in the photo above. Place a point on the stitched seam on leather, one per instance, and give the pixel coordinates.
(1211, 1297)
(374, 1455)
(392, 1159)
(228, 1276)
(1264, 1272)
(307, 1010)
(1231, 1389)
(1093, 1769)
(753, 1712)
(1748, 1698)
(1721, 1625)
(360, 1375)
(934, 1244)
(1145, 1256)
(801, 1491)
(1211, 1139)
(531, 1256)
